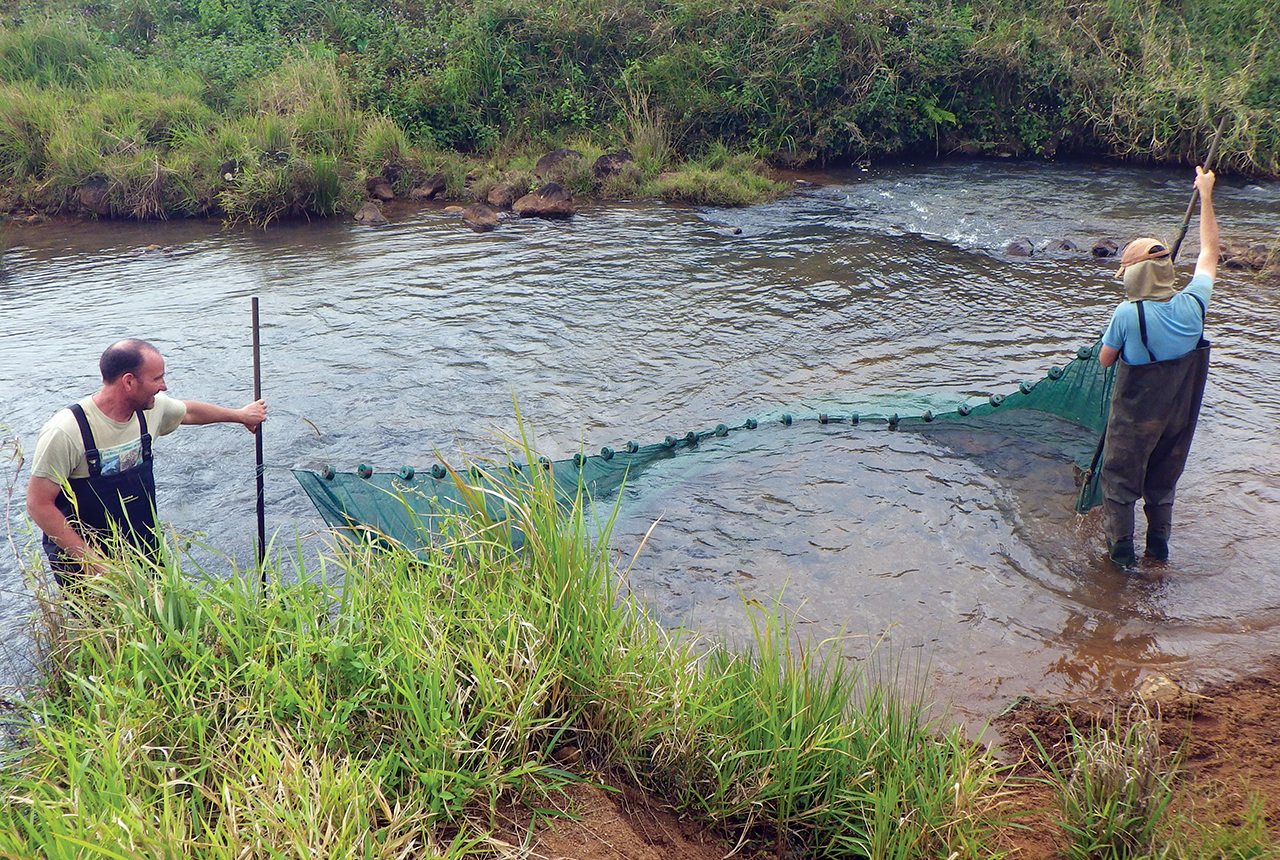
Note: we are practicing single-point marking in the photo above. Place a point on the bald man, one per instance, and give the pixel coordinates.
(92, 476)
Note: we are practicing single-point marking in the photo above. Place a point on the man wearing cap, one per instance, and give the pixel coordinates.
(91, 476)
(1157, 333)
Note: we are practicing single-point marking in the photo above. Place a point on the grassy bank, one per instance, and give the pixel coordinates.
(388, 705)
(391, 716)
(278, 108)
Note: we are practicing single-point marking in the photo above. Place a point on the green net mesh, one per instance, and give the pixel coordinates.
(1066, 410)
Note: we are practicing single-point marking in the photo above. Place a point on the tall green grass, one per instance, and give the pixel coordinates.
(383, 703)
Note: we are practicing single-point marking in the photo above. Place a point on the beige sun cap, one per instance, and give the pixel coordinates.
(1147, 271)
(1140, 250)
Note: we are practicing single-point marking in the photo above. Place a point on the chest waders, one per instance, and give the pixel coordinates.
(104, 505)
(1154, 409)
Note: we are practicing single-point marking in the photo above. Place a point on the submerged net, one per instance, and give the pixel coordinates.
(1065, 411)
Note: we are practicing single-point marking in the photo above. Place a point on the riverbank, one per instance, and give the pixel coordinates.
(1227, 735)
(252, 112)
(471, 701)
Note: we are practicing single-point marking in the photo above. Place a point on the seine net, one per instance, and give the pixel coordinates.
(1064, 412)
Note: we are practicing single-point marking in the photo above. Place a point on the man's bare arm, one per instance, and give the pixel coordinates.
(249, 416)
(1207, 262)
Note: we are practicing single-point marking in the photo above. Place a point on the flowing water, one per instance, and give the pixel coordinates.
(388, 346)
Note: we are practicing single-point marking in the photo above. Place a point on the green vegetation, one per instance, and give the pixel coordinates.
(386, 705)
(387, 716)
(277, 108)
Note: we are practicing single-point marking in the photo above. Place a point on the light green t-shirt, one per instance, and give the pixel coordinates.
(60, 449)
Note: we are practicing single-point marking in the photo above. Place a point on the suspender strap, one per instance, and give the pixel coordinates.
(90, 447)
(1142, 329)
(146, 437)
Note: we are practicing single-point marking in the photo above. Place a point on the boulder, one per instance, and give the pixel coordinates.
(1104, 248)
(1062, 246)
(1254, 257)
(379, 188)
(1158, 690)
(503, 195)
(391, 171)
(480, 217)
(371, 216)
(94, 195)
(549, 201)
(611, 164)
(430, 189)
(552, 160)
(1020, 248)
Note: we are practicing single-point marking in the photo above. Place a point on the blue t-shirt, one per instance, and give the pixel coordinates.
(1174, 328)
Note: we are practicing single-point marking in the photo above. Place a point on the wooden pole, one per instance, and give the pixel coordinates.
(1195, 195)
(257, 395)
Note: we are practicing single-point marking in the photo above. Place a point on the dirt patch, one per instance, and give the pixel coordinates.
(609, 822)
(1228, 737)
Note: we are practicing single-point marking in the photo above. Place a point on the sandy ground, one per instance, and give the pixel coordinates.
(1229, 738)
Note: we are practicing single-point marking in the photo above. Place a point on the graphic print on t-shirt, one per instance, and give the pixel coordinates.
(121, 458)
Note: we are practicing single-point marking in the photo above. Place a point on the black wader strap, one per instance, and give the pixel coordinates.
(146, 437)
(1203, 343)
(1142, 329)
(90, 447)
(1142, 325)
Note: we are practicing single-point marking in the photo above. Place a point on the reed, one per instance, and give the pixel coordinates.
(1201, 830)
(718, 179)
(49, 52)
(783, 83)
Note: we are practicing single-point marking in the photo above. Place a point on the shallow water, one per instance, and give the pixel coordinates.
(635, 321)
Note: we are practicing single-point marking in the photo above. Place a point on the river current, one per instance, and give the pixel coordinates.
(964, 560)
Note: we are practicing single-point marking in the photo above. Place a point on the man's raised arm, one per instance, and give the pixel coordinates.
(1207, 262)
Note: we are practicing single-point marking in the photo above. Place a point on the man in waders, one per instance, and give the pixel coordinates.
(91, 476)
(1158, 333)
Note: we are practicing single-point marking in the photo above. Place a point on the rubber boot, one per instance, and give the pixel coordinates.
(1159, 527)
(1119, 526)
(1122, 553)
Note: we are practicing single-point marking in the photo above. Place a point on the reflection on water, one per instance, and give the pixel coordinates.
(632, 322)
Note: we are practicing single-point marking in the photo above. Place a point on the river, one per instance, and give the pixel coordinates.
(635, 321)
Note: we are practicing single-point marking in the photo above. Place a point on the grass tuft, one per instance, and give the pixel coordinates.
(1114, 787)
